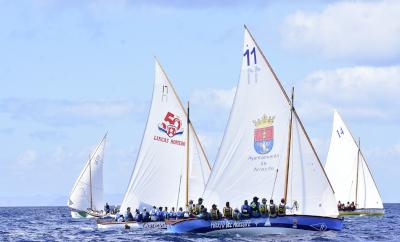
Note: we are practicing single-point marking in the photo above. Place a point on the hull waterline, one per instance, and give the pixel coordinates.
(130, 225)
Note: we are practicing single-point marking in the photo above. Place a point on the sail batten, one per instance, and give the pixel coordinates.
(348, 170)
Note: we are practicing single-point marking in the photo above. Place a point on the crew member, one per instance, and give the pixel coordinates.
(282, 208)
(146, 215)
(246, 210)
(191, 207)
(172, 213)
(236, 214)
(197, 209)
(153, 214)
(128, 215)
(255, 208)
(214, 213)
(227, 211)
(272, 209)
(179, 214)
(264, 208)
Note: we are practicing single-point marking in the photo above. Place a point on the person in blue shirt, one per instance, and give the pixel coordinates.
(153, 214)
(138, 216)
(172, 213)
(146, 215)
(160, 214)
(128, 215)
(179, 214)
(246, 210)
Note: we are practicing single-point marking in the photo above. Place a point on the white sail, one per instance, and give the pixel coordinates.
(341, 167)
(252, 157)
(159, 176)
(87, 192)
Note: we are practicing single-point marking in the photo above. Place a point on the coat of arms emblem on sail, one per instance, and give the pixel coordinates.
(171, 125)
(264, 134)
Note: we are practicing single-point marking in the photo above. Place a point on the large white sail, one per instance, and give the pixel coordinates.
(350, 184)
(87, 192)
(252, 157)
(159, 177)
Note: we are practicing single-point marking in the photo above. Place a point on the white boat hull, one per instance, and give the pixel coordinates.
(130, 225)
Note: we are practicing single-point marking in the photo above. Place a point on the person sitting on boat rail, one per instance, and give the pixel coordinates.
(179, 214)
(107, 208)
(138, 216)
(264, 208)
(352, 206)
(236, 214)
(272, 209)
(146, 215)
(255, 208)
(172, 213)
(203, 214)
(227, 211)
(166, 213)
(214, 212)
(191, 207)
(160, 214)
(246, 210)
(197, 209)
(153, 214)
(128, 215)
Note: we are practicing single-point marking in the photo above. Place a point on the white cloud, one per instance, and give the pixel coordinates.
(68, 113)
(360, 30)
(214, 98)
(357, 91)
(26, 159)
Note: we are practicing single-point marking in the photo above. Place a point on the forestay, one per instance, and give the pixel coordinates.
(341, 165)
(159, 175)
(88, 188)
(252, 157)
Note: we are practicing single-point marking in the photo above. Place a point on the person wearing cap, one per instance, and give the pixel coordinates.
(264, 208)
(227, 211)
(246, 210)
(272, 209)
(255, 208)
(214, 212)
(128, 215)
(146, 215)
(236, 214)
(197, 209)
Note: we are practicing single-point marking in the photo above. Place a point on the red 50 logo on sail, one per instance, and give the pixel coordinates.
(171, 125)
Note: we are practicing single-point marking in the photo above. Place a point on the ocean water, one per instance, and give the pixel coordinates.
(55, 223)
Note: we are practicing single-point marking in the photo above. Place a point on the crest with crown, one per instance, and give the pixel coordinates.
(264, 121)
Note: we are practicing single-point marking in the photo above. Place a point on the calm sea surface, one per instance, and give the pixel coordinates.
(55, 223)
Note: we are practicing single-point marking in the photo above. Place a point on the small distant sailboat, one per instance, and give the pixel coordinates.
(267, 153)
(86, 197)
(170, 158)
(349, 173)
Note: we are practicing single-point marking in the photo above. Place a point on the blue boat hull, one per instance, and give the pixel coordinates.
(292, 222)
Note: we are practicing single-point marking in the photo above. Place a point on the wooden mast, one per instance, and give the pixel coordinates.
(358, 165)
(187, 156)
(289, 147)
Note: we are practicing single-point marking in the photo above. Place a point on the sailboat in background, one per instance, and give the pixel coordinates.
(267, 153)
(86, 197)
(171, 165)
(349, 173)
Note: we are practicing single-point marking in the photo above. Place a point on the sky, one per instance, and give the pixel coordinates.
(72, 70)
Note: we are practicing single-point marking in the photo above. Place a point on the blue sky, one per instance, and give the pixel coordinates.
(72, 70)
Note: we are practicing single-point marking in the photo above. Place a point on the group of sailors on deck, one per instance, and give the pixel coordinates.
(254, 210)
(346, 207)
